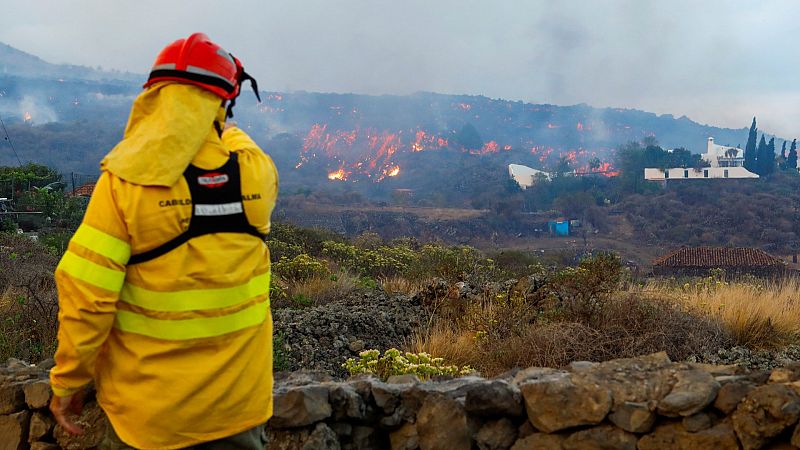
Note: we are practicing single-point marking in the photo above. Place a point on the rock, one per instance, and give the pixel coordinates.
(731, 394)
(356, 346)
(408, 378)
(554, 402)
(603, 437)
(533, 374)
(796, 436)
(442, 424)
(694, 390)
(44, 446)
(300, 406)
(367, 438)
(94, 423)
(493, 398)
(346, 402)
(786, 374)
(525, 430)
(342, 429)
(322, 438)
(764, 413)
(387, 396)
(47, 364)
(496, 435)
(404, 438)
(14, 430)
(41, 426)
(697, 422)
(539, 441)
(37, 394)
(12, 398)
(672, 436)
(635, 417)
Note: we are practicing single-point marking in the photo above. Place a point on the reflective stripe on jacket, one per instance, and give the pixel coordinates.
(180, 347)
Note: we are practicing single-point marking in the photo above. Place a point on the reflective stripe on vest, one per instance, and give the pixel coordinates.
(195, 299)
(102, 243)
(184, 329)
(91, 272)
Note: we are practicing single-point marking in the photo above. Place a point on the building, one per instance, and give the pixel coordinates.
(526, 176)
(722, 156)
(702, 172)
(735, 261)
(725, 162)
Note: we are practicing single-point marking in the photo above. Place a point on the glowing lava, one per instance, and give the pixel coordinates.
(393, 172)
(340, 175)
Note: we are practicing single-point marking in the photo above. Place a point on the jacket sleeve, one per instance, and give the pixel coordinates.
(89, 278)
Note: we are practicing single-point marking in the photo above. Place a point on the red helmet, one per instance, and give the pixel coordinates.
(199, 61)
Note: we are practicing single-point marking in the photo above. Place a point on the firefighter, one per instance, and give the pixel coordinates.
(164, 288)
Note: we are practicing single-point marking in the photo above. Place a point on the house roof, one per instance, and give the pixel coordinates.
(712, 257)
(84, 191)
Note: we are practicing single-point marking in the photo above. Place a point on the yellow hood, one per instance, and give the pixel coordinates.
(169, 123)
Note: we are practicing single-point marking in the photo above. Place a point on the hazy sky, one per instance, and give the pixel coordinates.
(716, 61)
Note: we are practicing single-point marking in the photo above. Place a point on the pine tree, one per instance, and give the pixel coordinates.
(791, 158)
(783, 150)
(750, 149)
(768, 161)
(761, 153)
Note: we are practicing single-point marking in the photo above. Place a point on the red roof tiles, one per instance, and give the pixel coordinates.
(711, 257)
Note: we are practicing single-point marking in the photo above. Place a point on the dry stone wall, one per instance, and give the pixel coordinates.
(646, 403)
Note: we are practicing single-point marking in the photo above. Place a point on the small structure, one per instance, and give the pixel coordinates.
(526, 176)
(558, 227)
(85, 190)
(735, 261)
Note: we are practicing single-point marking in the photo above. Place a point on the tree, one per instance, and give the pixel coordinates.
(750, 150)
(768, 162)
(791, 158)
(783, 150)
(469, 138)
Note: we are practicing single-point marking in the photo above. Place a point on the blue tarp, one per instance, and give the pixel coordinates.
(559, 228)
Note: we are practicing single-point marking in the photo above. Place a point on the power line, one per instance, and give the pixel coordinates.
(8, 138)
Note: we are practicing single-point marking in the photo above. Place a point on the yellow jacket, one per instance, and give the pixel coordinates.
(180, 347)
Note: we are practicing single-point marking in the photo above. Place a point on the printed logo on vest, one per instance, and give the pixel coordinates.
(213, 179)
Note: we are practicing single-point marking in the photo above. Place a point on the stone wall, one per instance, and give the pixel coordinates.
(646, 403)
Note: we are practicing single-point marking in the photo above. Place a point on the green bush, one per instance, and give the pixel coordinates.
(380, 262)
(393, 362)
(300, 268)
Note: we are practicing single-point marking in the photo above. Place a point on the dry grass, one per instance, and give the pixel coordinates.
(627, 325)
(316, 291)
(401, 286)
(758, 315)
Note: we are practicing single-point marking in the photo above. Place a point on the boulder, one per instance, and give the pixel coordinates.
(300, 406)
(697, 422)
(346, 402)
(367, 438)
(765, 413)
(322, 438)
(635, 417)
(38, 394)
(603, 437)
(442, 424)
(12, 398)
(41, 426)
(404, 438)
(14, 431)
(695, 389)
(94, 423)
(496, 435)
(672, 436)
(493, 398)
(730, 394)
(539, 441)
(554, 402)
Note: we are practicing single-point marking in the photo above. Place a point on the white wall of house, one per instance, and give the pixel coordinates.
(524, 175)
(723, 156)
(692, 174)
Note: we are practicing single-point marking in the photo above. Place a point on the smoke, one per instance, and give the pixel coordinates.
(36, 111)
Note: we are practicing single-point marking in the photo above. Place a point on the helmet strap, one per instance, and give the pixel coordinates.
(243, 76)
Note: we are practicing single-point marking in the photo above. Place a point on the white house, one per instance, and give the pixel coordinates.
(723, 156)
(525, 176)
(725, 162)
(701, 173)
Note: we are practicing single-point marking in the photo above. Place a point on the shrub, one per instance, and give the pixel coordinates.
(393, 362)
(300, 268)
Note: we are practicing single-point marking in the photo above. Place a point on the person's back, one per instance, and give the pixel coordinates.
(164, 290)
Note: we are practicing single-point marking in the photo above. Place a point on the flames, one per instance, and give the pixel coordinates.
(340, 175)
(27, 117)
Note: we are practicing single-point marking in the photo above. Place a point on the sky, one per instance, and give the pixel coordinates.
(719, 62)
